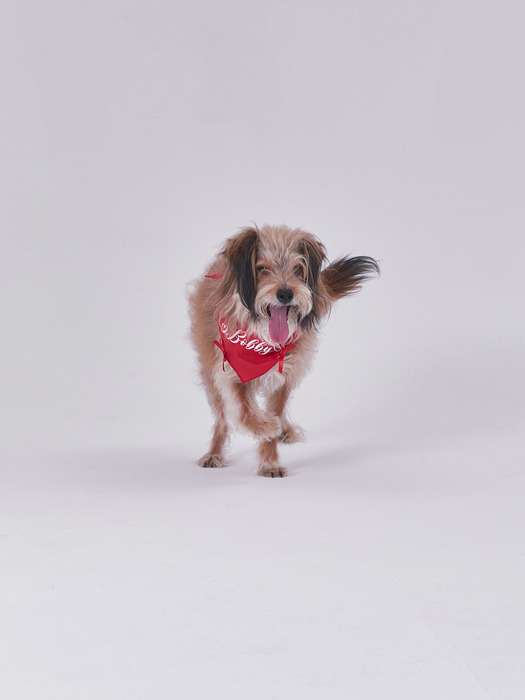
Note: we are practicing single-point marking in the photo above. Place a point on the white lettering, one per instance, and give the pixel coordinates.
(236, 337)
(240, 337)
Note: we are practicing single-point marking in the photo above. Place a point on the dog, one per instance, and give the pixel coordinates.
(255, 319)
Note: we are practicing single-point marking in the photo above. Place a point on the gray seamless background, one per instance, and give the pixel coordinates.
(135, 137)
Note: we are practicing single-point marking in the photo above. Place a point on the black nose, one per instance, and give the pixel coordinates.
(284, 295)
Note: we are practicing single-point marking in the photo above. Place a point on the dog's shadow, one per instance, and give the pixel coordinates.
(146, 469)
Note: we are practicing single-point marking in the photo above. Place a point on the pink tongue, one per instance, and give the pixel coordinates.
(278, 324)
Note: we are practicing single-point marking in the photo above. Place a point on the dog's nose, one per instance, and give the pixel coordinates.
(284, 295)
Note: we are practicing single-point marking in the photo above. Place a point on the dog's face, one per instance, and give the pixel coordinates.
(272, 280)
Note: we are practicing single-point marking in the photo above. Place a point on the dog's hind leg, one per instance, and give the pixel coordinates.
(215, 456)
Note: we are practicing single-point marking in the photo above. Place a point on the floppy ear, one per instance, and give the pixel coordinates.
(314, 254)
(240, 253)
(346, 275)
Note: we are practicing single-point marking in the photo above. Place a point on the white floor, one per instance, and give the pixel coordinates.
(373, 571)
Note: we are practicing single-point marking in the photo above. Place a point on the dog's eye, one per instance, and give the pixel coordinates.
(262, 270)
(298, 271)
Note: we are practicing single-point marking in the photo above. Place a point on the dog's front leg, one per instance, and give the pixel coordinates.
(215, 456)
(269, 459)
(262, 424)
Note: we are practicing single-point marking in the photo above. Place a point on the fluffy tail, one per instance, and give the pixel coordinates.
(346, 275)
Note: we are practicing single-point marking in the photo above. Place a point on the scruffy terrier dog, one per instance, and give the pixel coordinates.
(254, 318)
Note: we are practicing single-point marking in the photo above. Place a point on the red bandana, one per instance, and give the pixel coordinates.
(248, 355)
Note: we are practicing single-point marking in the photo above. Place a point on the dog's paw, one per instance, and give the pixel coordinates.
(272, 470)
(291, 433)
(211, 461)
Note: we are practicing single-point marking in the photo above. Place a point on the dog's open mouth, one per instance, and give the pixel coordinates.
(278, 324)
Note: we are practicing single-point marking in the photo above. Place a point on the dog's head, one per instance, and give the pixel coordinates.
(274, 280)
(272, 274)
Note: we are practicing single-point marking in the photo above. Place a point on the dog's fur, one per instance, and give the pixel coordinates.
(256, 264)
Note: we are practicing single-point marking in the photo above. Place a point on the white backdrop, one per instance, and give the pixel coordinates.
(137, 136)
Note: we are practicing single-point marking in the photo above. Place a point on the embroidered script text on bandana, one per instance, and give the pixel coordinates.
(248, 355)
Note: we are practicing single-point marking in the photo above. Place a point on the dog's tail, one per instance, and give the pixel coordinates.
(346, 275)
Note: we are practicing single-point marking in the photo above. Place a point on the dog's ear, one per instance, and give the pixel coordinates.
(346, 275)
(241, 254)
(314, 254)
